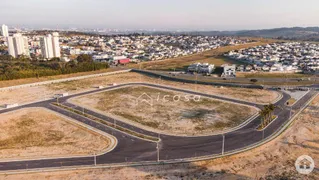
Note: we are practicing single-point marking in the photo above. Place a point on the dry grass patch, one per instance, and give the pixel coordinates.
(30, 94)
(16, 82)
(291, 101)
(252, 95)
(274, 160)
(170, 112)
(37, 132)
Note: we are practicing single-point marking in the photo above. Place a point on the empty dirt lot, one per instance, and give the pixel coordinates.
(37, 132)
(168, 111)
(272, 161)
(31, 94)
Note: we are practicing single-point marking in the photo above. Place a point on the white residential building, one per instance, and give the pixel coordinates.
(18, 45)
(201, 68)
(56, 44)
(50, 46)
(4, 31)
(229, 71)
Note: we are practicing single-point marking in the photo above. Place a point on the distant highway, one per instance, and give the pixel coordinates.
(232, 82)
(133, 149)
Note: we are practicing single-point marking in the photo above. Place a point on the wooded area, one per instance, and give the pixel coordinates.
(23, 67)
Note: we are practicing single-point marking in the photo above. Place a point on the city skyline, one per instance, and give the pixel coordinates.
(161, 15)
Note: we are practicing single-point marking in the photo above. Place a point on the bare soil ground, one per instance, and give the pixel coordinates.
(31, 94)
(274, 160)
(252, 95)
(168, 111)
(49, 78)
(36, 132)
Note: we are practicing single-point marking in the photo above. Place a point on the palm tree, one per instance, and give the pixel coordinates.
(270, 111)
(262, 118)
(266, 114)
(271, 108)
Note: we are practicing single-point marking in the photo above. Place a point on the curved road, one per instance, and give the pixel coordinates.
(133, 149)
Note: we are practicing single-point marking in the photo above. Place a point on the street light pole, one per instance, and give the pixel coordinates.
(94, 159)
(223, 147)
(196, 81)
(157, 147)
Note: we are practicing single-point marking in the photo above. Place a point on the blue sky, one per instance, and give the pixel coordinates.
(161, 14)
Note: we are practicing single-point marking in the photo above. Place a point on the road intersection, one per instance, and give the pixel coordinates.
(131, 149)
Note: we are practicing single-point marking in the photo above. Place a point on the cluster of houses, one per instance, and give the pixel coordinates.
(120, 48)
(279, 57)
(141, 48)
(204, 68)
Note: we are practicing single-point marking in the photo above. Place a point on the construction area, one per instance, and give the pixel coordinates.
(38, 93)
(37, 132)
(274, 160)
(166, 111)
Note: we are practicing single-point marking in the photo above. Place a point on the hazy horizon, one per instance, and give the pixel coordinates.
(161, 15)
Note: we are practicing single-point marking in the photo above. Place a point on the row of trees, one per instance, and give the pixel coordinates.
(267, 114)
(23, 67)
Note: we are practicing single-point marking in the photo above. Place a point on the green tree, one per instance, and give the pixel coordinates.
(56, 59)
(84, 58)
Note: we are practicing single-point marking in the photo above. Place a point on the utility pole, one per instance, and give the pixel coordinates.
(196, 81)
(157, 148)
(94, 159)
(223, 147)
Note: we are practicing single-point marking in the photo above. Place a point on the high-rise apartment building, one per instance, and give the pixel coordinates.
(4, 31)
(50, 46)
(56, 45)
(18, 45)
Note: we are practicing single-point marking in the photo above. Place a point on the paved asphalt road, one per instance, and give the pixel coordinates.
(240, 79)
(132, 149)
(217, 81)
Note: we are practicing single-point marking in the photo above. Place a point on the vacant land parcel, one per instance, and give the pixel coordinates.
(36, 132)
(167, 111)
